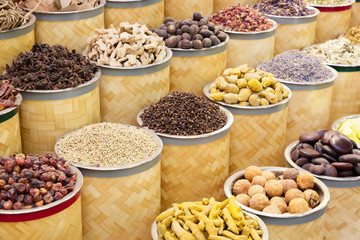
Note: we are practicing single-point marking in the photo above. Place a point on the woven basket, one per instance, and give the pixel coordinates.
(121, 202)
(46, 115)
(355, 16)
(132, 89)
(15, 41)
(294, 32)
(58, 220)
(182, 9)
(191, 69)
(258, 46)
(10, 139)
(309, 225)
(222, 4)
(332, 21)
(149, 12)
(309, 109)
(194, 167)
(262, 141)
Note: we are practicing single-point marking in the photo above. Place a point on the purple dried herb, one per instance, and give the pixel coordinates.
(289, 8)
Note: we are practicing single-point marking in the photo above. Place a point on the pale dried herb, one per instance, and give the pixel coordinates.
(353, 34)
(11, 15)
(59, 5)
(289, 8)
(329, 2)
(7, 95)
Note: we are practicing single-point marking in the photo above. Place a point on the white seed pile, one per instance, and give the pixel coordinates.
(107, 144)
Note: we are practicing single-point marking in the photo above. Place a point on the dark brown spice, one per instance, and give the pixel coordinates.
(7, 95)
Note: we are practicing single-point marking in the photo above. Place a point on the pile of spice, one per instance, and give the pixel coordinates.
(107, 145)
(353, 35)
(247, 87)
(127, 46)
(297, 66)
(60, 5)
(288, 8)
(7, 95)
(184, 114)
(241, 19)
(33, 181)
(337, 51)
(196, 33)
(329, 2)
(11, 15)
(49, 68)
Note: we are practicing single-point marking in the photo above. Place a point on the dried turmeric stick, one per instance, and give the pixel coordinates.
(232, 236)
(229, 221)
(195, 230)
(180, 232)
(209, 226)
(165, 214)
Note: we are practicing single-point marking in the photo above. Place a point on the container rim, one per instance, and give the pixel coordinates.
(78, 186)
(18, 101)
(30, 22)
(274, 27)
(333, 6)
(101, 4)
(203, 49)
(317, 12)
(323, 204)
(152, 157)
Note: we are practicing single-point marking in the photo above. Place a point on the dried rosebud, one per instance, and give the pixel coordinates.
(20, 161)
(55, 187)
(39, 203)
(48, 185)
(20, 198)
(23, 180)
(2, 183)
(17, 169)
(63, 191)
(37, 198)
(9, 165)
(17, 206)
(11, 194)
(43, 191)
(35, 183)
(8, 205)
(20, 187)
(7, 187)
(58, 196)
(3, 195)
(28, 200)
(34, 192)
(48, 198)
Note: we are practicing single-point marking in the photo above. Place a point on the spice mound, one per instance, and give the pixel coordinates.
(207, 219)
(7, 95)
(49, 68)
(182, 113)
(33, 181)
(11, 15)
(127, 46)
(288, 8)
(329, 2)
(247, 87)
(353, 35)
(107, 145)
(337, 51)
(351, 128)
(195, 33)
(60, 6)
(240, 18)
(297, 66)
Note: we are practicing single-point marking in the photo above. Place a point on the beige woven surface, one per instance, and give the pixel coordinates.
(252, 52)
(60, 226)
(43, 122)
(182, 9)
(308, 111)
(10, 139)
(258, 140)
(10, 48)
(151, 15)
(72, 34)
(355, 15)
(121, 208)
(331, 24)
(343, 215)
(221, 4)
(122, 98)
(307, 231)
(192, 73)
(190, 173)
(346, 96)
(294, 36)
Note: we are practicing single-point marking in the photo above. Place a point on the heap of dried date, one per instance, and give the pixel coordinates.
(7, 95)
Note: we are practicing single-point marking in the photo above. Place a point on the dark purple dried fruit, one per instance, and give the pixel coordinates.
(309, 153)
(330, 171)
(317, 169)
(341, 144)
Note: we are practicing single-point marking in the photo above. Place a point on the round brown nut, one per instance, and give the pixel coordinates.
(214, 40)
(196, 16)
(211, 26)
(206, 33)
(185, 28)
(194, 29)
(222, 36)
(162, 33)
(198, 37)
(207, 42)
(184, 44)
(168, 19)
(203, 21)
(171, 42)
(171, 29)
(198, 44)
(186, 36)
(178, 31)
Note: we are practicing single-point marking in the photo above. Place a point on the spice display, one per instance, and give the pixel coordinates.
(33, 181)
(196, 33)
(353, 35)
(351, 128)
(337, 51)
(207, 219)
(7, 95)
(11, 15)
(240, 18)
(329, 2)
(328, 153)
(182, 113)
(297, 66)
(247, 87)
(127, 46)
(59, 5)
(49, 68)
(288, 8)
(288, 192)
(107, 145)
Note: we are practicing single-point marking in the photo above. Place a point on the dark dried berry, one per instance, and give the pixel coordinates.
(196, 16)
(17, 206)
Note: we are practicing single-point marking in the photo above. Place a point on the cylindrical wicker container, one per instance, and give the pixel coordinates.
(294, 32)
(332, 21)
(263, 228)
(258, 134)
(46, 115)
(58, 220)
(342, 216)
(15, 41)
(221, 4)
(10, 139)
(309, 109)
(149, 12)
(71, 28)
(182, 9)
(191, 69)
(355, 14)
(258, 46)
(121, 202)
(194, 167)
(124, 91)
(308, 225)
(337, 124)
